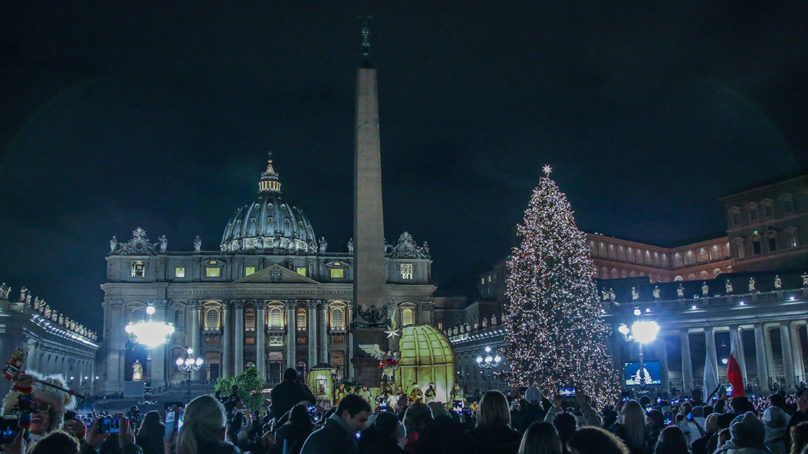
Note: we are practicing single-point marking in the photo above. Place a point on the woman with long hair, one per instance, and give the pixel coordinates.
(493, 433)
(540, 438)
(293, 433)
(151, 432)
(671, 441)
(204, 428)
(630, 427)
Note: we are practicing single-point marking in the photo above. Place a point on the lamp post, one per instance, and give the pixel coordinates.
(150, 334)
(488, 363)
(642, 331)
(188, 365)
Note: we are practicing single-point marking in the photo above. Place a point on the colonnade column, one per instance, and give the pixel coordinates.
(767, 343)
(226, 337)
(194, 327)
(736, 338)
(796, 353)
(349, 354)
(712, 355)
(324, 331)
(662, 354)
(687, 362)
(239, 337)
(788, 361)
(290, 335)
(260, 341)
(312, 329)
(760, 358)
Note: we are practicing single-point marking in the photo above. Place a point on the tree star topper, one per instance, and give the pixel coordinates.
(547, 169)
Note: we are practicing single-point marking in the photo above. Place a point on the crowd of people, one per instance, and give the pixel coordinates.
(523, 421)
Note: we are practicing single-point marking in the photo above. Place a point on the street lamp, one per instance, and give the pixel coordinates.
(150, 334)
(488, 362)
(642, 331)
(188, 365)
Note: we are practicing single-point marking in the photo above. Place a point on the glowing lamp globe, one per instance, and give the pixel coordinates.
(178, 362)
(637, 312)
(190, 351)
(623, 329)
(151, 334)
(199, 362)
(644, 331)
(479, 359)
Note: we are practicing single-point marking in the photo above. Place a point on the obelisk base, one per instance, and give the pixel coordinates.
(366, 368)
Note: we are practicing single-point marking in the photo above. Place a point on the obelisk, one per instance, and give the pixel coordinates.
(369, 268)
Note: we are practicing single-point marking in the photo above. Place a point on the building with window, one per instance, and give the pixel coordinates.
(272, 295)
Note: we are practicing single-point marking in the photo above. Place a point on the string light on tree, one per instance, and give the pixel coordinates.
(555, 335)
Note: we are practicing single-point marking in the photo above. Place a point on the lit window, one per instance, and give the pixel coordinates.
(301, 270)
(300, 319)
(337, 320)
(482, 281)
(489, 278)
(407, 317)
(212, 319)
(406, 270)
(337, 273)
(249, 320)
(179, 271)
(138, 269)
(213, 271)
(275, 318)
(249, 270)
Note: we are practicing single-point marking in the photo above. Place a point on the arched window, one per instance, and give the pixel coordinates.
(249, 319)
(138, 315)
(407, 317)
(275, 318)
(300, 319)
(337, 319)
(212, 319)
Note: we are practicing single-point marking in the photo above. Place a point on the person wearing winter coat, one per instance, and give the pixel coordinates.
(747, 435)
(776, 420)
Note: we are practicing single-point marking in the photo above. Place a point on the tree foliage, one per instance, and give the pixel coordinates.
(249, 388)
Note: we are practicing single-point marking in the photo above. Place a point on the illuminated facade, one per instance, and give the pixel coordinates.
(272, 296)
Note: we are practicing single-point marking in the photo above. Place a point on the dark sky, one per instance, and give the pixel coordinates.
(115, 115)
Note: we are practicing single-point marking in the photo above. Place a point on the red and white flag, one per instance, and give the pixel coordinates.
(734, 366)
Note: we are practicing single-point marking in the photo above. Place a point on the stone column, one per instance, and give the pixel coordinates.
(260, 340)
(311, 305)
(238, 331)
(227, 336)
(687, 362)
(349, 353)
(735, 336)
(662, 355)
(712, 355)
(324, 332)
(796, 352)
(788, 359)
(767, 342)
(760, 358)
(195, 329)
(291, 342)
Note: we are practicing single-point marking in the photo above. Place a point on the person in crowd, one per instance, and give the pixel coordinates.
(48, 406)
(747, 436)
(630, 427)
(204, 429)
(151, 432)
(121, 443)
(775, 420)
(588, 416)
(687, 423)
(391, 435)
(291, 436)
(289, 393)
(671, 441)
(493, 433)
(338, 434)
(56, 442)
(417, 418)
(654, 426)
(528, 410)
(723, 438)
(799, 438)
(707, 443)
(801, 415)
(595, 440)
(540, 438)
(73, 425)
(565, 425)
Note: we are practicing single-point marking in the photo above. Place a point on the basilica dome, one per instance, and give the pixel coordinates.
(269, 224)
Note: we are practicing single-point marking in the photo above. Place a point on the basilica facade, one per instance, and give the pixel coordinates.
(273, 295)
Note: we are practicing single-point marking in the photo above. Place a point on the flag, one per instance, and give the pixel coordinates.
(734, 366)
(710, 375)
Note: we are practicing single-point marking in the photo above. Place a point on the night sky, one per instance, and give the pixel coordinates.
(116, 115)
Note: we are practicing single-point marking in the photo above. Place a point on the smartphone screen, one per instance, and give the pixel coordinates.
(9, 427)
(566, 391)
(171, 424)
(110, 425)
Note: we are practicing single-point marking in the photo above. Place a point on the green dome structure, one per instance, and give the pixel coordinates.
(426, 357)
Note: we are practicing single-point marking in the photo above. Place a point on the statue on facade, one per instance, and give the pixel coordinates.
(137, 371)
(804, 277)
(493, 319)
(4, 289)
(23, 293)
(456, 394)
(323, 245)
(778, 283)
(605, 294)
(728, 287)
(485, 322)
(612, 295)
(680, 291)
(655, 292)
(751, 284)
(635, 295)
(113, 244)
(350, 245)
(425, 248)
(705, 289)
(197, 244)
(163, 243)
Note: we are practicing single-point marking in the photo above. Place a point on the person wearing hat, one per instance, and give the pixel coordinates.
(48, 405)
(747, 436)
(527, 410)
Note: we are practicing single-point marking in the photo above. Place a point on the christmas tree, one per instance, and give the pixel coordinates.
(555, 335)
